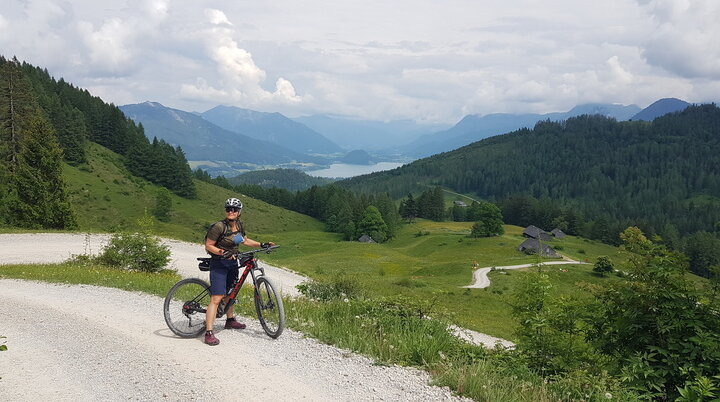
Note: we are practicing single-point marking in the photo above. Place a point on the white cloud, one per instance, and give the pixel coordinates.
(106, 46)
(374, 59)
(618, 73)
(685, 38)
(240, 78)
(217, 17)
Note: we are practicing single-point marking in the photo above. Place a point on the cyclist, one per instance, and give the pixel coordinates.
(222, 242)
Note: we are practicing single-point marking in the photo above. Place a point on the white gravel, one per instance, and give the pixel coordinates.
(73, 342)
(78, 342)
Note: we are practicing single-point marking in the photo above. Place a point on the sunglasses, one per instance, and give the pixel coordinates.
(232, 209)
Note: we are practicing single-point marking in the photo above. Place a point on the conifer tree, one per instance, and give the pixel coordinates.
(34, 193)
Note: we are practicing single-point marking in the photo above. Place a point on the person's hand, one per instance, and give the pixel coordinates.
(266, 245)
(227, 254)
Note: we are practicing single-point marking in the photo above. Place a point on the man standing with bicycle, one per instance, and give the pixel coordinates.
(221, 242)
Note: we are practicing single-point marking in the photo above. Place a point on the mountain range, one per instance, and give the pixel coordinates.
(477, 127)
(223, 135)
(369, 135)
(271, 127)
(204, 141)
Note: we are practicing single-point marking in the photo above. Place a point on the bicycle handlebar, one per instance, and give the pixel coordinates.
(254, 251)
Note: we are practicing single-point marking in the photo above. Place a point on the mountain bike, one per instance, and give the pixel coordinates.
(187, 301)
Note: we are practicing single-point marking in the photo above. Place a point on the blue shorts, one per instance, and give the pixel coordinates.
(223, 274)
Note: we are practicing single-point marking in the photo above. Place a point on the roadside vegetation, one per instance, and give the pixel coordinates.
(391, 330)
(652, 334)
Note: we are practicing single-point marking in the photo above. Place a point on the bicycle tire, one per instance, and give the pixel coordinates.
(185, 306)
(269, 307)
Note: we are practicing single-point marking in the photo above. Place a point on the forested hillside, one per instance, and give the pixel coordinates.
(288, 179)
(663, 175)
(77, 117)
(32, 192)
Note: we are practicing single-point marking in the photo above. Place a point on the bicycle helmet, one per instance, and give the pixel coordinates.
(233, 202)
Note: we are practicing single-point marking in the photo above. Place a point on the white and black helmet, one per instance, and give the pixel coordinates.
(233, 203)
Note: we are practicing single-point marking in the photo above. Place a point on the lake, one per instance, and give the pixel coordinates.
(345, 170)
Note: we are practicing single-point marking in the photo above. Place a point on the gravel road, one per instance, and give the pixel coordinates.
(74, 342)
(79, 342)
(481, 280)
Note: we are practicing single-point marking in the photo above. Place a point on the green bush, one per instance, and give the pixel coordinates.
(338, 288)
(136, 251)
(603, 265)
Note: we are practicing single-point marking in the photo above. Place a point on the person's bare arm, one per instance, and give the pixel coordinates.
(212, 248)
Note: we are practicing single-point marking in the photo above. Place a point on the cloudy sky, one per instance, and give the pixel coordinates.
(427, 60)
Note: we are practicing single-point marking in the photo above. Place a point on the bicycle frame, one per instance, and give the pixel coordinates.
(250, 266)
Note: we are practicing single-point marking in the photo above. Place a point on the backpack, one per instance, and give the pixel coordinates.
(226, 229)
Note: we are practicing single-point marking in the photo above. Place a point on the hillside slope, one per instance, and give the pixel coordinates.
(652, 174)
(107, 198)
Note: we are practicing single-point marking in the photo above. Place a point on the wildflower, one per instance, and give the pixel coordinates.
(608, 395)
(346, 300)
(442, 355)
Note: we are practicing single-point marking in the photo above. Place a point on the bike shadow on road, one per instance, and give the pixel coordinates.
(257, 333)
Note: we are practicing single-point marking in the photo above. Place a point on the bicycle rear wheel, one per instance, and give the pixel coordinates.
(269, 307)
(185, 307)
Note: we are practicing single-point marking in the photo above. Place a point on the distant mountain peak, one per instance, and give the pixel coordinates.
(273, 127)
(661, 107)
(153, 104)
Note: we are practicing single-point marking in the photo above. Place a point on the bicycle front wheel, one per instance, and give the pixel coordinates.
(185, 307)
(269, 307)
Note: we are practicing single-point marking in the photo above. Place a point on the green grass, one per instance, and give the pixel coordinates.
(93, 274)
(107, 198)
(435, 266)
(427, 260)
(390, 330)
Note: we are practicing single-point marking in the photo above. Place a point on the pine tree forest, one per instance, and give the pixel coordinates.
(77, 117)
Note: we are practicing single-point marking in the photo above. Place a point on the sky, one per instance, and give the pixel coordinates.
(432, 61)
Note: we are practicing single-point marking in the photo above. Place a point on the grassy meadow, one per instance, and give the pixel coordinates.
(427, 260)
(107, 198)
(432, 261)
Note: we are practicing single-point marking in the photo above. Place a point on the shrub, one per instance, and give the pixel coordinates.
(163, 205)
(603, 265)
(338, 288)
(136, 251)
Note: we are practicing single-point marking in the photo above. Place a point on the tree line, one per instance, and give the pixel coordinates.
(654, 174)
(341, 210)
(32, 191)
(78, 117)
(590, 176)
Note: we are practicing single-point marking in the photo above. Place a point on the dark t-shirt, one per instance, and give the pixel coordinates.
(222, 235)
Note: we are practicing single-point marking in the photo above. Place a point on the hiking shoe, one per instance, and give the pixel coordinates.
(232, 323)
(210, 338)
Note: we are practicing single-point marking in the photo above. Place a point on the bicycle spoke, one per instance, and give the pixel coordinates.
(185, 307)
